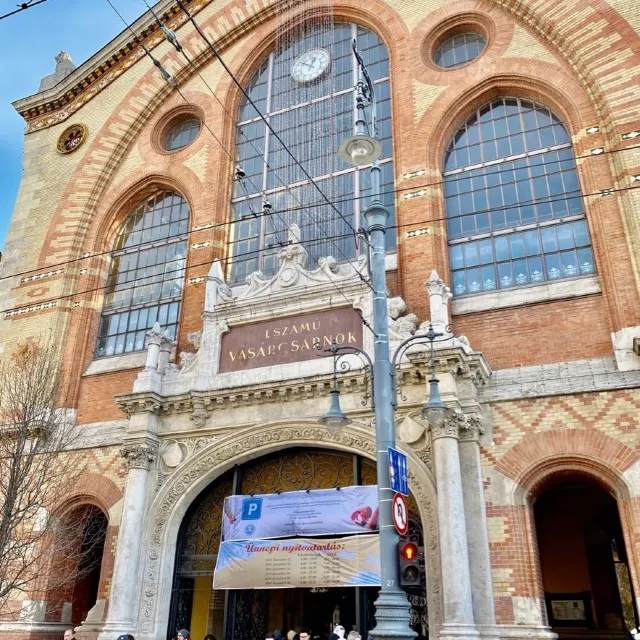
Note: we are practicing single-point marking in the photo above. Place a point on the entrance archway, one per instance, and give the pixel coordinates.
(583, 560)
(241, 615)
(76, 566)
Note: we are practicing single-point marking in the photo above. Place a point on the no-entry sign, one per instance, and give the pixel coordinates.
(400, 514)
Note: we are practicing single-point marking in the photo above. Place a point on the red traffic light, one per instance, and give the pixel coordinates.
(409, 551)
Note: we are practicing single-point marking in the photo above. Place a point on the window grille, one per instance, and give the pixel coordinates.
(515, 213)
(146, 275)
(312, 120)
(459, 50)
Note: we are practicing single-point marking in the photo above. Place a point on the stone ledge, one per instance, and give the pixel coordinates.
(116, 363)
(526, 295)
(578, 376)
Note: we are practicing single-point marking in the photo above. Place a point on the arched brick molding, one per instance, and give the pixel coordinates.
(545, 458)
(588, 444)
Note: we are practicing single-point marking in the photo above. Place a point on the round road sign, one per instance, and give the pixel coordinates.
(400, 514)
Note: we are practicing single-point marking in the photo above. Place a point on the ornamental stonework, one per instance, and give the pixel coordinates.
(71, 138)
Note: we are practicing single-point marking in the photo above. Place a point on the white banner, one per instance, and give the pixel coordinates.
(353, 561)
(298, 513)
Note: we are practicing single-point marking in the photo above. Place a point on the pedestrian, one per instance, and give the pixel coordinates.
(69, 634)
(270, 636)
(292, 635)
(184, 634)
(354, 635)
(305, 634)
(209, 636)
(339, 631)
(126, 636)
(278, 635)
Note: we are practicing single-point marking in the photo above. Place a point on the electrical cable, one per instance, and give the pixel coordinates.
(23, 6)
(172, 39)
(187, 268)
(262, 117)
(362, 197)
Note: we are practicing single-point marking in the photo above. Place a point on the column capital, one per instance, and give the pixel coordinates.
(138, 456)
(458, 425)
(471, 428)
(154, 335)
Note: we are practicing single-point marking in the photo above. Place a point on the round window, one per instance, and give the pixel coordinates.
(181, 134)
(459, 50)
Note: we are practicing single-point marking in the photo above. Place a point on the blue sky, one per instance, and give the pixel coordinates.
(29, 41)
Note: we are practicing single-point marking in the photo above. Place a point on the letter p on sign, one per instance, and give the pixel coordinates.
(251, 508)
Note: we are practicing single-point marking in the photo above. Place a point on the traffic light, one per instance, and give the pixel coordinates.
(409, 563)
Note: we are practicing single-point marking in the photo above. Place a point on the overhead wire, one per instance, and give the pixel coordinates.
(23, 6)
(400, 190)
(417, 223)
(260, 114)
(173, 40)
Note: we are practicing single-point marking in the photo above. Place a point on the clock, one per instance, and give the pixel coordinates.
(310, 65)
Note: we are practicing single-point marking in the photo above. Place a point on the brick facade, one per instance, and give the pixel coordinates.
(581, 59)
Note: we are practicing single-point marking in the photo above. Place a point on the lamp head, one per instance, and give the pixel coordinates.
(360, 150)
(435, 410)
(335, 419)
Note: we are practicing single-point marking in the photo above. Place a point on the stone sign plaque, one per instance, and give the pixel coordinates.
(291, 339)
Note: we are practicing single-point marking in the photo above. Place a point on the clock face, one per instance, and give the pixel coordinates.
(310, 65)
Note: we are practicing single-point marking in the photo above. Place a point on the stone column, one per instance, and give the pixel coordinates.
(456, 583)
(166, 344)
(125, 581)
(476, 521)
(154, 339)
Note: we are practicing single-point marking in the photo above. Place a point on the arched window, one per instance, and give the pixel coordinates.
(306, 91)
(515, 213)
(146, 275)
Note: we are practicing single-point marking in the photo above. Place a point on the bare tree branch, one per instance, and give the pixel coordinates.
(41, 551)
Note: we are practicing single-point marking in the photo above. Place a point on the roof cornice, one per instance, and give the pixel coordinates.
(55, 105)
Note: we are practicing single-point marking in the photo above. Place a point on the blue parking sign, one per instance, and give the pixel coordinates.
(252, 509)
(398, 472)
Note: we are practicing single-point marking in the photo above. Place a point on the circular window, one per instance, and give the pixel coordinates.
(459, 50)
(181, 134)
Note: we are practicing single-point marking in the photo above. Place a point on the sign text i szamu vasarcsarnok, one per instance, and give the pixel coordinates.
(286, 340)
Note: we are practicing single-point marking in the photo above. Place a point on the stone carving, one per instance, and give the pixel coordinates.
(199, 417)
(138, 456)
(250, 441)
(458, 425)
(172, 370)
(401, 324)
(471, 428)
(172, 454)
(193, 338)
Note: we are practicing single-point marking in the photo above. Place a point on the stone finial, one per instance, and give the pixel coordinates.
(64, 66)
(439, 296)
(217, 288)
(62, 58)
(154, 335)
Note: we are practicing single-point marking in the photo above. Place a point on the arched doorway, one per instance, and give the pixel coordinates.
(74, 576)
(583, 561)
(240, 615)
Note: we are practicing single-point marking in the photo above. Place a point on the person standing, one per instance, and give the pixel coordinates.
(305, 634)
(184, 634)
(69, 634)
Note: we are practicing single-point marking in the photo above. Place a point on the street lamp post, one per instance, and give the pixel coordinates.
(392, 607)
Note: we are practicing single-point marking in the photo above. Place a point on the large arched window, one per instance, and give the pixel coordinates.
(515, 212)
(146, 275)
(306, 91)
